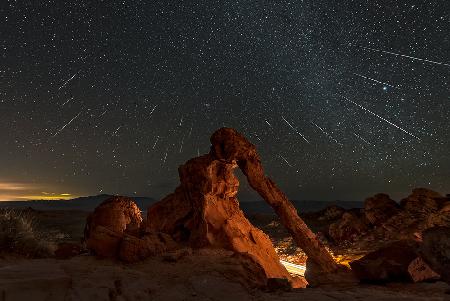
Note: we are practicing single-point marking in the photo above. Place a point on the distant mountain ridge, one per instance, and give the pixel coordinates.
(302, 206)
(88, 203)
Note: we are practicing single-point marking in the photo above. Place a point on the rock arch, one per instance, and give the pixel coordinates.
(204, 211)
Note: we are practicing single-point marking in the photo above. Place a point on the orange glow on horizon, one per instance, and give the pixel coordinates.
(48, 197)
(24, 191)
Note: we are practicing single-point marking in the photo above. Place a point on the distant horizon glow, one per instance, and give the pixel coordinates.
(24, 191)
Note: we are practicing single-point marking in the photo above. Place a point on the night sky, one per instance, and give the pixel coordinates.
(343, 99)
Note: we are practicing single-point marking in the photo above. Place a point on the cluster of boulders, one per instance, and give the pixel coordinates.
(116, 230)
(203, 212)
(408, 260)
(403, 236)
(383, 219)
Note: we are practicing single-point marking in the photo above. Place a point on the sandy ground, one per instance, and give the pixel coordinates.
(203, 275)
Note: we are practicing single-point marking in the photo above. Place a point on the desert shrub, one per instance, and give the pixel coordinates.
(18, 235)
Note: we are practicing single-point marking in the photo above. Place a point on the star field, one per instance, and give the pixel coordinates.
(342, 99)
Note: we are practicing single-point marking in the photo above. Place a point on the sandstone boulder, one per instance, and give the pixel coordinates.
(420, 271)
(441, 217)
(387, 264)
(422, 201)
(380, 208)
(331, 212)
(348, 227)
(133, 249)
(435, 250)
(109, 222)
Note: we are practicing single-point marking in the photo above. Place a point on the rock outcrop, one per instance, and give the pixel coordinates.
(388, 221)
(114, 230)
(231, 146)
(331, 213)
(420, 271)
(350, 226)
(110, 221)
(387, 264)
(204, 211)
(422, 201)
(380, 208)
(435, 250)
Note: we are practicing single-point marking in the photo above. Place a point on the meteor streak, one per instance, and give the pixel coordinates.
(326, 134)
(358, 136)
(154, 145)
(67, 81)
(287, 162)
(117, 130)
(406, 56)
(165, 158)
(374, 80)
(66, 101)
(153, 110)
(181, 146)
(295, 130)
(64, 126)
(385, 120)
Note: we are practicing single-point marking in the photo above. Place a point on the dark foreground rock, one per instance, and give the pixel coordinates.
(436, 250)
(387, 264)
(203, 276)
(382, 219)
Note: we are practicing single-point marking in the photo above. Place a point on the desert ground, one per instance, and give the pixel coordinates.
(204, 274)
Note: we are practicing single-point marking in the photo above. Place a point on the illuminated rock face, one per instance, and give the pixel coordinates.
(203, 211)
(229, 145)
(113, 230)
(109, 222)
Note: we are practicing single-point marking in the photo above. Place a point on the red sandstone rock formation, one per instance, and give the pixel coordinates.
(204, 210)
(420, 271)
(114, 231)
(109, 222)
